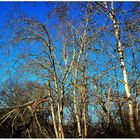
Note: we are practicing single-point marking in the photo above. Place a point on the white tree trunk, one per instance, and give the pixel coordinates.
(85, 116)
(123, 66)
(52, 112)
(75, 108)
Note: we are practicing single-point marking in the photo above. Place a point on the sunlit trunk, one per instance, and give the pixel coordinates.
(75, 110)
(60, 127)
(123, 67)
(60, 111)
(84, 96)
(52, 112)
(85, 116)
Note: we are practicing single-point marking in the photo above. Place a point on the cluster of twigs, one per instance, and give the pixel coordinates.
(25, 117)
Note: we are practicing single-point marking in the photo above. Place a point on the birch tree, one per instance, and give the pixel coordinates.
(120, 50)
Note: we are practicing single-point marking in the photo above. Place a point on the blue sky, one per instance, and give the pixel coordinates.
(39, 10)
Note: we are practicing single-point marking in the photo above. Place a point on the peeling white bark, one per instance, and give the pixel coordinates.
(123, 66)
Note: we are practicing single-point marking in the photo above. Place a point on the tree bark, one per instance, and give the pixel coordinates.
(75, 109)
(84, 92)
(85, 116)
(123, 66)
(60, 116)
(52, 112)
